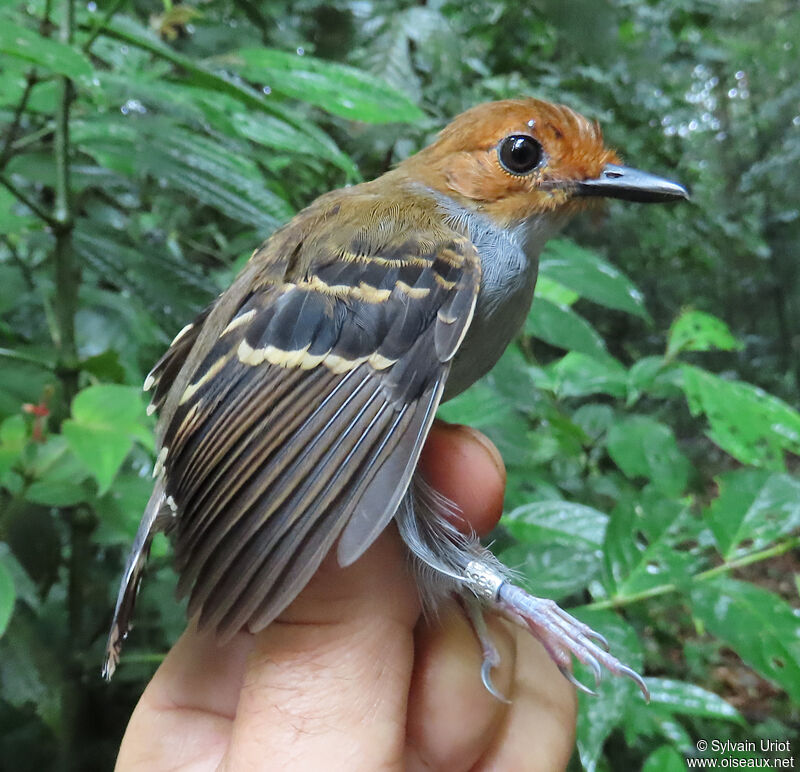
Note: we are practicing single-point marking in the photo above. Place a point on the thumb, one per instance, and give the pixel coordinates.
(326, 684)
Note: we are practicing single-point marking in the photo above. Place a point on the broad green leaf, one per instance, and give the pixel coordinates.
(753, 426)
(599, 716)
(560, 326)
(25, 588)
(29, 45)
(120, 509)
(579, 375)
(106, 419)
(205, 169)
(758, 625)
(337, 88)
(121, 262)
(595, 420)
(665, 759)
(640, 551)
(558, 545)
(226, 115)
(699, 331)
(755, 506)
(561, 520)
(548, 289)
(477, 406)
(57, 475)
(7, 597)
(591, 277)
(690, 700)
(643, 447)
(655, 377)
(31, 669)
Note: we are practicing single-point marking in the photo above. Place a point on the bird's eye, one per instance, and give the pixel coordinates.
(519, 154)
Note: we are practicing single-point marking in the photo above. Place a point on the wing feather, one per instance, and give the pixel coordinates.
(293, 411)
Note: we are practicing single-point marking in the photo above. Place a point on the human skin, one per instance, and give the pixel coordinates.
(352, 677)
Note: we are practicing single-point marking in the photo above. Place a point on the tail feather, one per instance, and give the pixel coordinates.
(153, 521)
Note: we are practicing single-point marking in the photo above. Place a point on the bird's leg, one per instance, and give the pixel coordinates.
(561, 634)
(490, 656)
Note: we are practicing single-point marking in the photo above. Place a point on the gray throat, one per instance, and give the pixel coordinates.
(509, 261)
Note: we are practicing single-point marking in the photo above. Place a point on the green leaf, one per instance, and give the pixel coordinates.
(758, 625)
(546, 520)
(560, 326)
(13, 219)
(477, 406)
(591, 277)
(599, 716)
(753, 426)
(665, 759)
(203, 168)
(106, 419)
(756, 506)
(699, 331)
(24, 587)
(579, 375)
(227, 116)
(640, 550)
(643, 447)
(29, 45)
(57, 475)
(337, 88)
(548, 289)
(690, 700)
(653, 376)
(558, 545)
(8, 597)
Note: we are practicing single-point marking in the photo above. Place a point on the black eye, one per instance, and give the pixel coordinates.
(519, 154)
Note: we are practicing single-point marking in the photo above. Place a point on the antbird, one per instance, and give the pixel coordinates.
(293, 410)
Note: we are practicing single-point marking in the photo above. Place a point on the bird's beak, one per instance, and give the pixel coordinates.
(631, 185)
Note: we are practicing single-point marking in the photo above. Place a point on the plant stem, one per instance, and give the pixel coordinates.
(66, 269)
(101, 25)
(44, 216)
(6, 152)
(66, 274)
(664, 589)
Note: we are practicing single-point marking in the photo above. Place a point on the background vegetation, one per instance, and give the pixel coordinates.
(646, 414)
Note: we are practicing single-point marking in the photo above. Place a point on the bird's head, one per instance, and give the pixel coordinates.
(518, 159)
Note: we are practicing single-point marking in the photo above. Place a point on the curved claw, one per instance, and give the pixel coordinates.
(563, 637)
(598, 638)
(567, 673)
(637, 679)
(486, 678)
(594, 666)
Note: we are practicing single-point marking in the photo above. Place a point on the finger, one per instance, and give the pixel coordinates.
(186, 713)
(452, 718)
(538, 732)
(466, 467)
(334, 671)
(326, 684)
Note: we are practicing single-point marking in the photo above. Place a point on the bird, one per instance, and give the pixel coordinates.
(293, 409)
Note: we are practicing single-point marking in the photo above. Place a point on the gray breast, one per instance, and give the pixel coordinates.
(509, 259)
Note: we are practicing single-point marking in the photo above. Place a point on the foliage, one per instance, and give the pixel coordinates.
(145, 151)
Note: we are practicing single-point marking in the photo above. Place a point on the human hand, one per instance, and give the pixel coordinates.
(351, 677)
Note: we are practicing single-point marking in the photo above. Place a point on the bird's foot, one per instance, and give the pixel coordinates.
(490, 656)
(561, 634)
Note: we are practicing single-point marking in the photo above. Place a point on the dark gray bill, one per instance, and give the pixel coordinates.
(631, 185)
